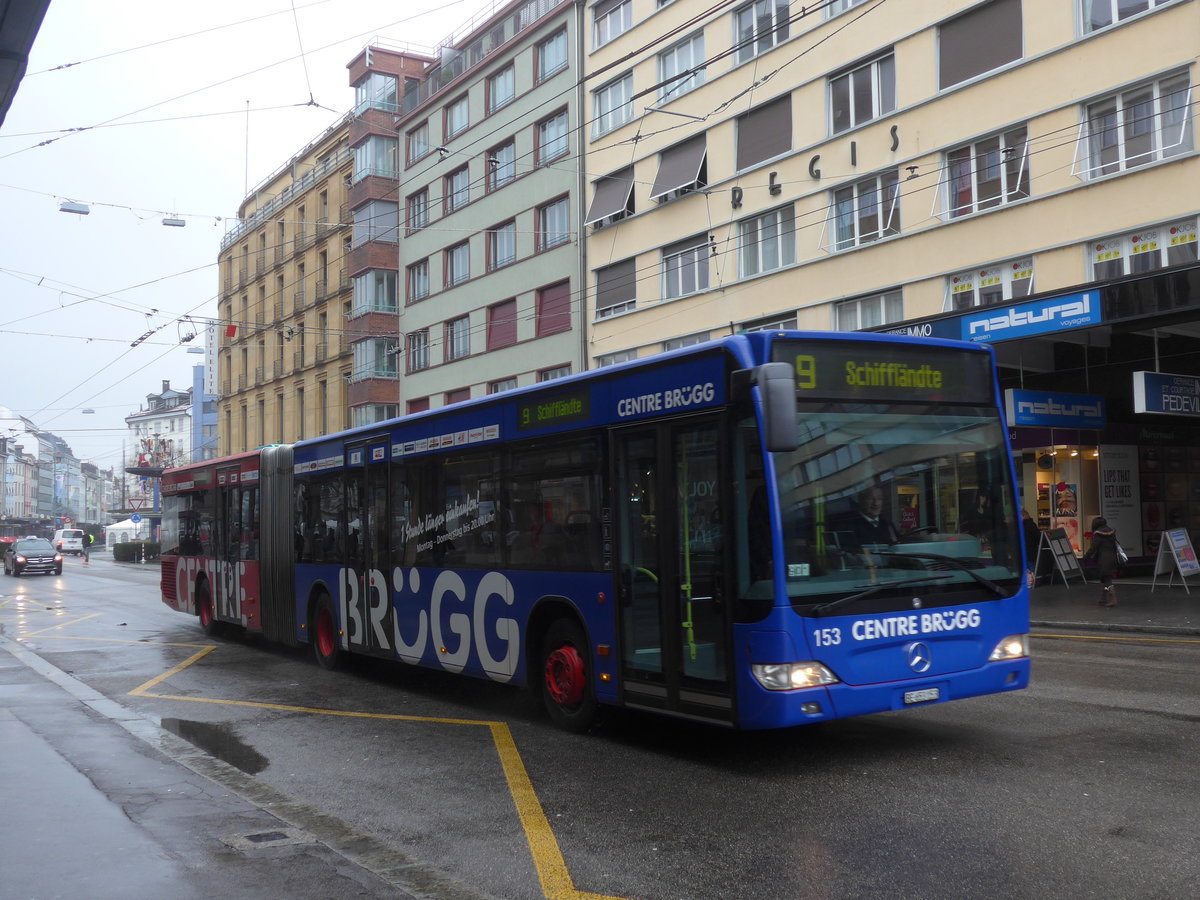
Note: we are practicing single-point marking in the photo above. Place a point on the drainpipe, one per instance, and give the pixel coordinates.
(581, 187)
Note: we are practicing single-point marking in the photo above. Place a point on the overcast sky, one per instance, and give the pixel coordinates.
(162, 92)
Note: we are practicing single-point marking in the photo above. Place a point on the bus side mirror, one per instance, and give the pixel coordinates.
(777, 384)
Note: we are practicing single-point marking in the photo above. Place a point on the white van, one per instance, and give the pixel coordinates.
(69, 540)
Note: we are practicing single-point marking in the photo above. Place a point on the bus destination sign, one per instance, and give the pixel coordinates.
(547, 412)
(883, 371)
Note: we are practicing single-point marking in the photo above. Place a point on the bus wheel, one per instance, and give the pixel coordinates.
(324, 634)
(204, 608)
(566, 685)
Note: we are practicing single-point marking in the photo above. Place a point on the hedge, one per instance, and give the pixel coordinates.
(131, 551)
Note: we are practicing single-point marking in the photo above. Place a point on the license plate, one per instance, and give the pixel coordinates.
(923, 696)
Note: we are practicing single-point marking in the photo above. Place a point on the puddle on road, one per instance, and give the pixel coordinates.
(220, 741)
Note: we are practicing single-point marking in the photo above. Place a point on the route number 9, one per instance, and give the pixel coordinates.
(806, 372)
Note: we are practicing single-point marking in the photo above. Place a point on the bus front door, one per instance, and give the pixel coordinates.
(674, 623)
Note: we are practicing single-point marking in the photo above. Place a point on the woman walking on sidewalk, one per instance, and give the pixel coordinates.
(1103, 551)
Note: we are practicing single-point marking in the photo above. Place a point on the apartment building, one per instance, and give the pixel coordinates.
(487, 208)
(880, 164)
(284, 355)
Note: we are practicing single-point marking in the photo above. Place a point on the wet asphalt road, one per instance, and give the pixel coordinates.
(1083, 785)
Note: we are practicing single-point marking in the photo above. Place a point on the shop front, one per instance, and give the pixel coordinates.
(1102, 395)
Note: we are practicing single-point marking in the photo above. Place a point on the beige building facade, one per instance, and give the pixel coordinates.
(854, 164)
(284, 356)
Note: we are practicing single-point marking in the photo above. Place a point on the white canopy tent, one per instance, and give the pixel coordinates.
(127, 530)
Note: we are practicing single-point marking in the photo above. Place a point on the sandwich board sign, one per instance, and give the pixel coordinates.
(1054, 543)
(1175, 555)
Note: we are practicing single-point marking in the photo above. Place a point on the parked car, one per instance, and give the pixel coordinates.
(32, 555)
(69, 540)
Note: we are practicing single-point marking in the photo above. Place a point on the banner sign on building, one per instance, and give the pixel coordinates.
(1050, 409)
(1168, 395)
(1039, 317)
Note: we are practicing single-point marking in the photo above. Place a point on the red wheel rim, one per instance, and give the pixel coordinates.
(325, 632)
(206, 612)
(564, 676)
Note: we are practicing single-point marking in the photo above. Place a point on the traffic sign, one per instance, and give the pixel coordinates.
(135, 503)
(135, 518)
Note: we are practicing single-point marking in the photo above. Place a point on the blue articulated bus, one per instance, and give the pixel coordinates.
(766, 530)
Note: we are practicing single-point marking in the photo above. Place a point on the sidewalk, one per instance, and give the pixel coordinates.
(1165, 610)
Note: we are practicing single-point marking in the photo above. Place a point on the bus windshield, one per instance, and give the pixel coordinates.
(884, 502)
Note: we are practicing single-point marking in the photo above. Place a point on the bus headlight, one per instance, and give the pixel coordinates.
(792, 676)
(1015, 646)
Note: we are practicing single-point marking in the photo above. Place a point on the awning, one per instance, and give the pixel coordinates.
(679, 167)
(611, 197)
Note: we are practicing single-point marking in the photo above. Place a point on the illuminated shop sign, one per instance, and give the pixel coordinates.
(1054, 410)
(1040, 317)
(1169, 395)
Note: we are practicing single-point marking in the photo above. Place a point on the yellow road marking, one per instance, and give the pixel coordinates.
(548, 860)
(56, 627)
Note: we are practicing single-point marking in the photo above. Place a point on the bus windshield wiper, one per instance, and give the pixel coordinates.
(829, 607)
(987, 583)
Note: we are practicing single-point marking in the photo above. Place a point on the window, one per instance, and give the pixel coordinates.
(867, 312)
(458, 338)
(767, 242)
(862, 94)
(553, 372)
(616, 288)
(375, 91)
(1099, 14)
(502, 245)
(421, 404)
(418, 281)
(418, 351)
(370, 413)
(688, 340)
(552, 55)
(501, 88)
(1145, 250)
(681, 68)
(681, 170)
(418, 142)
(611, 18)
(375, 358)
(375, 156)
(611, 359)
(989, 285)
(764, 132)
(553, 225)
(456, 396)
(417, 209)
(552, 138)
(502, 165)
(685, 267)
(458, 263)
(987, 173)
(866, 211)
(457, 117)
(612, 198)
(457, 188)
(504, 384)
(1144, 124)
(374, 291)
(840, 6)
(612, 105)
(779, 322)
(554, 309)
(978, 41)
(502, 324)
(378, 220)
(759, 26)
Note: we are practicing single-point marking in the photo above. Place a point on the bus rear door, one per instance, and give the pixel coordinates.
(674, 623)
